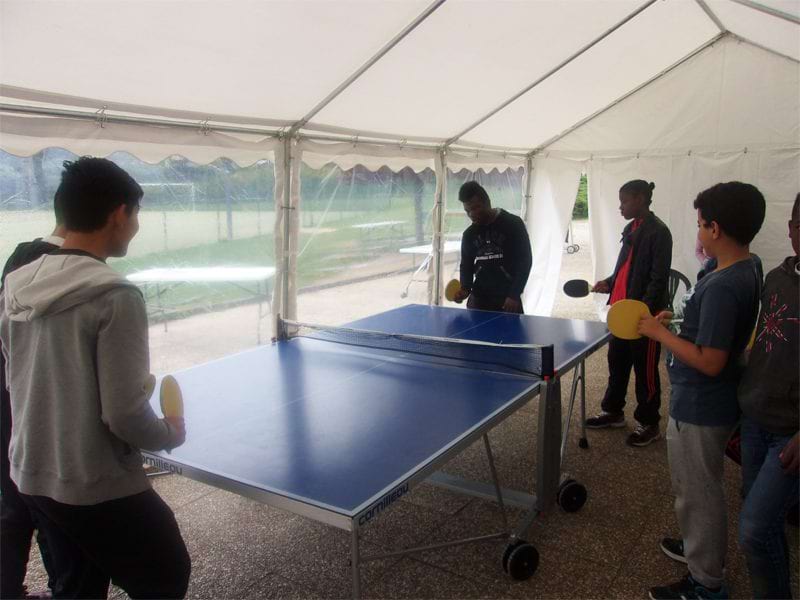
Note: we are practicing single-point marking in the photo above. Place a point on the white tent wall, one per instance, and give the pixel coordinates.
(678, 180)
(373, 156)
(731, 112)
(729, 96)
(555, 186)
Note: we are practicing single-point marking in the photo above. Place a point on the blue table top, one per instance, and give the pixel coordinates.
(338, 426)
(570, 338)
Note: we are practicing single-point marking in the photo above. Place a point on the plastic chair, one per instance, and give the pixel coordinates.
(676, 278)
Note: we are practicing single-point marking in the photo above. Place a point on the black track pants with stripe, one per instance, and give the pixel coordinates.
(642, 355)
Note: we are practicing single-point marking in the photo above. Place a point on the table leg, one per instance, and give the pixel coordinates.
(548, 468)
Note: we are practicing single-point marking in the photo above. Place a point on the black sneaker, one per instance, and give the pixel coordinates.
(644, 435)
(687, 589)
(673, 548)
(604, 419)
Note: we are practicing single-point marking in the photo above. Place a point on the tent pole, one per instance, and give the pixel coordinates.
(552, 71)
(774, 12)
(764, 48)
(593, 116)
(711, 15)
(108, 118)
(287, 212)
(526, 205)
(440, 200)
(367, 65)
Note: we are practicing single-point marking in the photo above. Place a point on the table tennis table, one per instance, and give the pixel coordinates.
(338, 432)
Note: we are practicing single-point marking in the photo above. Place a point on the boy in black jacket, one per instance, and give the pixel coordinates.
(495, 254)
(642, 273)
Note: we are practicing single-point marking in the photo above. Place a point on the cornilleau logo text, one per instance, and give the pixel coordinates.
(163, 465)
(383, 503)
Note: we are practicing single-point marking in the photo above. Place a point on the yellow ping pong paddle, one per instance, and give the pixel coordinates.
(623, 318)
(451, 289)
(171, 397)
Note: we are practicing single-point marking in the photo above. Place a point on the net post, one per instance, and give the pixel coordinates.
(280, 329)
(548, 362)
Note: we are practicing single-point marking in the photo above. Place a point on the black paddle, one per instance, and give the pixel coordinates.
(577, 288)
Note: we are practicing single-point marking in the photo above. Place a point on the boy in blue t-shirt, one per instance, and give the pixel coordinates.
(704, 369)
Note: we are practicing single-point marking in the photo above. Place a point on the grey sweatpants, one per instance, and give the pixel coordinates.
(696, 455)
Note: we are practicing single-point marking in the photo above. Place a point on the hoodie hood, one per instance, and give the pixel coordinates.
(57, 282)
(790, 265)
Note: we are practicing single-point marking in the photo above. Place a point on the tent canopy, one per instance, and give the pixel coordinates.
(512, 75)
(683, 92)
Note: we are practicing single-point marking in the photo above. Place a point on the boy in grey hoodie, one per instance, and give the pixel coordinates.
(74, 333)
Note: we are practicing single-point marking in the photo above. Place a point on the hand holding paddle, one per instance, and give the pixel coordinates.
(172, 407)
(650, 326)
(577, 288)
(624, 319)
(601, 287)
(512, 305)
(454, 292)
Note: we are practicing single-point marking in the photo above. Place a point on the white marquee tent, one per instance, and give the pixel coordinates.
(682, 92)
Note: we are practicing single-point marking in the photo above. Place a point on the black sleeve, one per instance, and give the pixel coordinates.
(656, 289)
(523, 259)
(467, 267)
(621, 258)
(14, 261)
(25, 253)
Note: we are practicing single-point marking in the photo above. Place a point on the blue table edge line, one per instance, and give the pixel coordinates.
(283, 500)
(578, 357)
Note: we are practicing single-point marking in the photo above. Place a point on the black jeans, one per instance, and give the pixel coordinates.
(17, 524)
(642, 355)
(134, 542)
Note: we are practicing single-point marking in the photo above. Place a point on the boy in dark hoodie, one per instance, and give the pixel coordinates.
(81, 327)
(16, 520)
(495, 254)
(769, 397)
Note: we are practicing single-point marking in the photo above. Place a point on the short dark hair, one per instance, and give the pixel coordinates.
(58, 209)
(738, 208)
(639, 187)
(473, 189)
(90, 190)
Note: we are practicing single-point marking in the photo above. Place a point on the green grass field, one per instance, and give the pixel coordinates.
(323, 257)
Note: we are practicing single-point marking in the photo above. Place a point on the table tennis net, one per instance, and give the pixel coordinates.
(526, 359)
